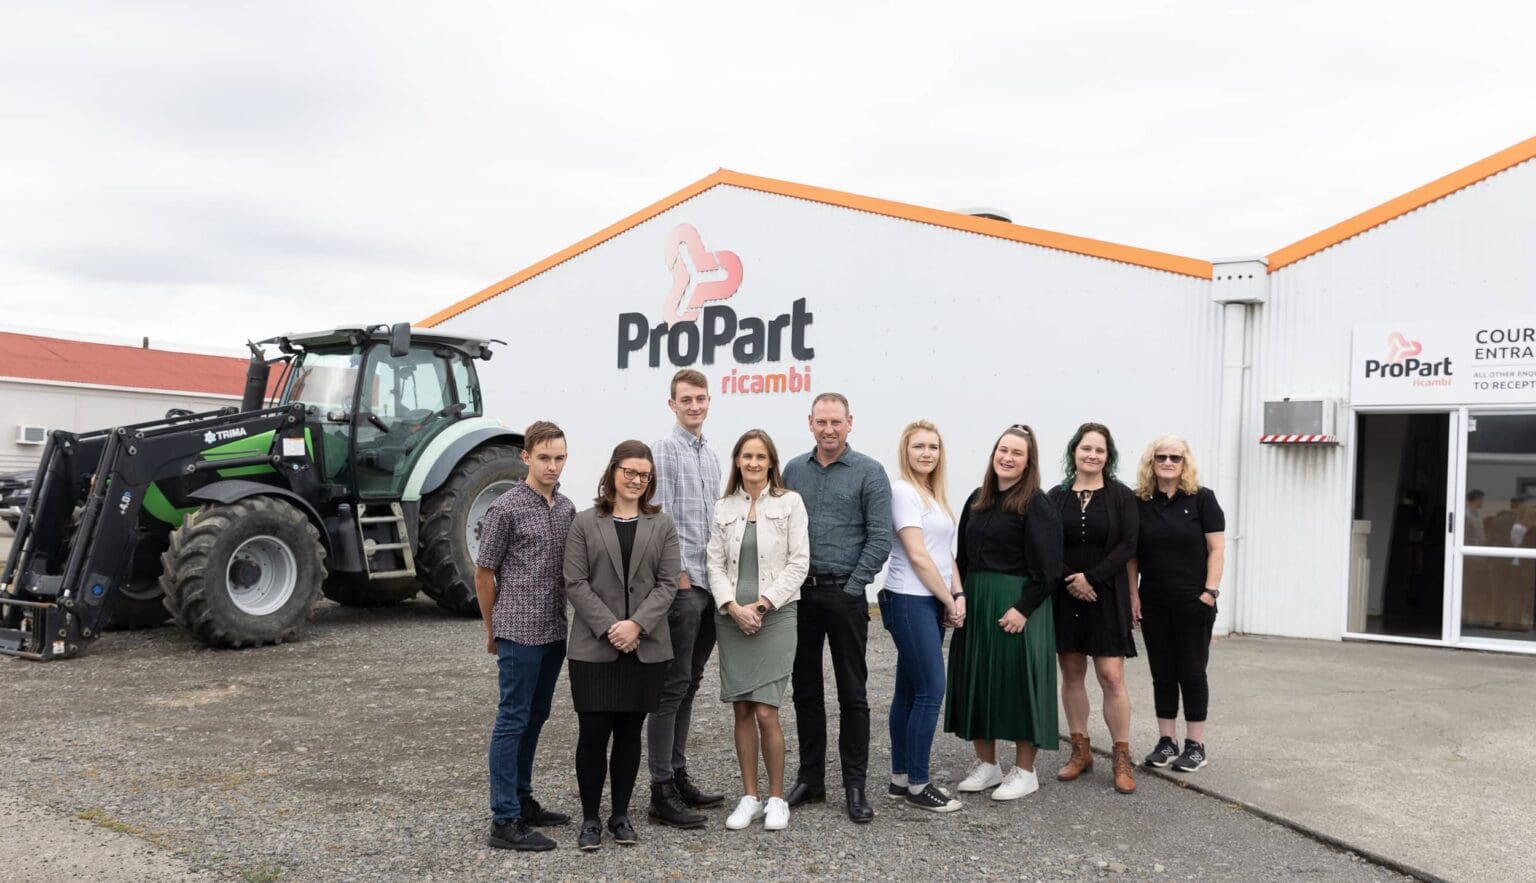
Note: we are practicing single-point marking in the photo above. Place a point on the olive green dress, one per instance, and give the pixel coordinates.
(755, 668)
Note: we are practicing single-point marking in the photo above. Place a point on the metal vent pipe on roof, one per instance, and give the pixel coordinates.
(995, 214)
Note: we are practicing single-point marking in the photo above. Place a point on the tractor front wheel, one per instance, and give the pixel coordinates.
(244, 573)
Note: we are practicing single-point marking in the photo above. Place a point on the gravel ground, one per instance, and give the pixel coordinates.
(359, 754)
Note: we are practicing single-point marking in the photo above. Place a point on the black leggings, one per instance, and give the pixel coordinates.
(1178, 639)
(593, 763)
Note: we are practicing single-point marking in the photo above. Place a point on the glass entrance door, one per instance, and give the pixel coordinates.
(1399, 545)
(1497, 530)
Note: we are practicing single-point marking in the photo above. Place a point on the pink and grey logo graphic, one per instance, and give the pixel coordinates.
(1399, 347)
(1403, 362)
(698, 327)
(698, 275)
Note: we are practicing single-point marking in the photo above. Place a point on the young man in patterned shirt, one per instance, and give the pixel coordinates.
(520, 584)
(687, 486)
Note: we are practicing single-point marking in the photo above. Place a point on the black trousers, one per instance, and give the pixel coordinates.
(593, 762)
(1178, 640)
(830, 616)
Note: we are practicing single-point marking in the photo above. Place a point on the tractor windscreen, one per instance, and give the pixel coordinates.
(325, 380)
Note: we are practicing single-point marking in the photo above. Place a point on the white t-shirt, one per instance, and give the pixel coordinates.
(909, 510)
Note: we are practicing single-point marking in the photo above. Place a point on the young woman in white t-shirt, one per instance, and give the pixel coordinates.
(921, 598)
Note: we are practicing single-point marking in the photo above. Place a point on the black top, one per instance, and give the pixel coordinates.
(625, 528)
(1100, 541)
(1027, 545)
(1171, 550)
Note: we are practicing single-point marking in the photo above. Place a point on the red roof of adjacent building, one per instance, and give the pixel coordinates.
(75, 361)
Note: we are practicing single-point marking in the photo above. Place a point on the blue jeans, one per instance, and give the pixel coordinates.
(916, 627)
(527, 676)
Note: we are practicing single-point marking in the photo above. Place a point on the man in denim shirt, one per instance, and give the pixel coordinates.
(848, 499)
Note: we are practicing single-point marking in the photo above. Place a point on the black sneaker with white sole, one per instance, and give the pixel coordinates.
(1163, 754)
(933, 800)
(896, 792)
(1192, 759)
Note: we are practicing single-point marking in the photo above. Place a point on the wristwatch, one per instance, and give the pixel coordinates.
(957, 595)
(1214, 593)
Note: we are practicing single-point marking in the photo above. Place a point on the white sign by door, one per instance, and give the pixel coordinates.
(1455, 362)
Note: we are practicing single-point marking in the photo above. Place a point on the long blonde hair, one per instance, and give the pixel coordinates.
(931, 487)
(1146, 479)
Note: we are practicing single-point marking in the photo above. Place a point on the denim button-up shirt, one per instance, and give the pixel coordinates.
(849, 504)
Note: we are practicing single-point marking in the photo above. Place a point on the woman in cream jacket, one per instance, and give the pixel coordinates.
(759, 552)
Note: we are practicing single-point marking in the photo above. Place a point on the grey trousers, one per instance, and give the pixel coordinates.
(692, 623)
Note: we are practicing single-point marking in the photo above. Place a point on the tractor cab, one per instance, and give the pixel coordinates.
(379, 396)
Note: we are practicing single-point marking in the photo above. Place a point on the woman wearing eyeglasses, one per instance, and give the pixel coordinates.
(621, 566)
(759, 551)
(1002, 660)
(1093, 604)
(1179, 551)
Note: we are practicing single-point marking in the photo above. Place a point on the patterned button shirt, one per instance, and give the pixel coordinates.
(522, 538)
(688, 482)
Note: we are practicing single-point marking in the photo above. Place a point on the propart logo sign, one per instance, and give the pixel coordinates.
(1403, 362)
(696, 326)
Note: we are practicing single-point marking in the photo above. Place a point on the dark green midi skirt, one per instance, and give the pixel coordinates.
(1002, 686)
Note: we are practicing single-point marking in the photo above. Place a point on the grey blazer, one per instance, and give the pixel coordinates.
(595, 586)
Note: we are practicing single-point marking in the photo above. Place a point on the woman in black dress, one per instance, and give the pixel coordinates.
(621, 566)
(1093, 605)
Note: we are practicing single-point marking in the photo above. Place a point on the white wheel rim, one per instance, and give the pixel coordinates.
(477, 510)
(262, 575)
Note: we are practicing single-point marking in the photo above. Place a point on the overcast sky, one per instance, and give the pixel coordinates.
(207, 172)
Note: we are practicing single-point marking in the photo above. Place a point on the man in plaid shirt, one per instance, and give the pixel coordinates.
(687, 486)
(520, 583)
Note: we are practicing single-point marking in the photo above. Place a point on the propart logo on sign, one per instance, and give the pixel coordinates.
(1402, 361)
(695, 326)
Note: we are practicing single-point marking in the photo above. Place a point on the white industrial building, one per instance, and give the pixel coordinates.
(1342, 395)
(51, 383)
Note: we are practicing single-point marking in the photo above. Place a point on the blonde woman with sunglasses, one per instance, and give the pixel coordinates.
(1180, 550)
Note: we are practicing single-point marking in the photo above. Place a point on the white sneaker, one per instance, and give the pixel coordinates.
(1019, 783)
(749, 810)
(776, 815)
(981, 777)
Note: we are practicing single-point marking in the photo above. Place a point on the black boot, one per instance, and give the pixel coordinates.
(690, 794)
(666, 809)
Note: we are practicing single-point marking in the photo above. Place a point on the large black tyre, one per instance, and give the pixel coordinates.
(450, 524)
(357, 590)
(244, 574)
(138, 605)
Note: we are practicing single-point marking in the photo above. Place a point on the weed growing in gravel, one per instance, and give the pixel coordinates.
(98, 816)
(266, 872)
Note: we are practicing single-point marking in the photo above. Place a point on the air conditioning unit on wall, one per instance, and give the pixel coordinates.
(1300, 422)
(31, 435)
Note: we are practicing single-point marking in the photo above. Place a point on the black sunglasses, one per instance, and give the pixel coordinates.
(1168, 458)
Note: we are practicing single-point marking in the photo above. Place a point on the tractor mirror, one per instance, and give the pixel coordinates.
(400, 339)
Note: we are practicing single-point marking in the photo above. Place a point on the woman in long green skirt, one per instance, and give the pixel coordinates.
(1002, 662)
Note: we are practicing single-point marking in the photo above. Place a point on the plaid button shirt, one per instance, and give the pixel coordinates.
(522, 538)
(688, 483)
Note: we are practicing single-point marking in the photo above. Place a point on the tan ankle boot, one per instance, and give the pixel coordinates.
(1125, 780)
(1081, 760)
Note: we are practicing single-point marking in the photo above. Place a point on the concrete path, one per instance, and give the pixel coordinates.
(1417, 754)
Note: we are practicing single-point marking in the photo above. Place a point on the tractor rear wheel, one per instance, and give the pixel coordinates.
(450, 524)
(357, 590)
(244, 573)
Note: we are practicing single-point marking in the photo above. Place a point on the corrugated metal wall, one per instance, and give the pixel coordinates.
(1471, 254)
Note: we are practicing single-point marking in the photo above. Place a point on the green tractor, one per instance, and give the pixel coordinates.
(365, 480)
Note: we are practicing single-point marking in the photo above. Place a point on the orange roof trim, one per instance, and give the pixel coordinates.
(1381, 214)
(1124, 254)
